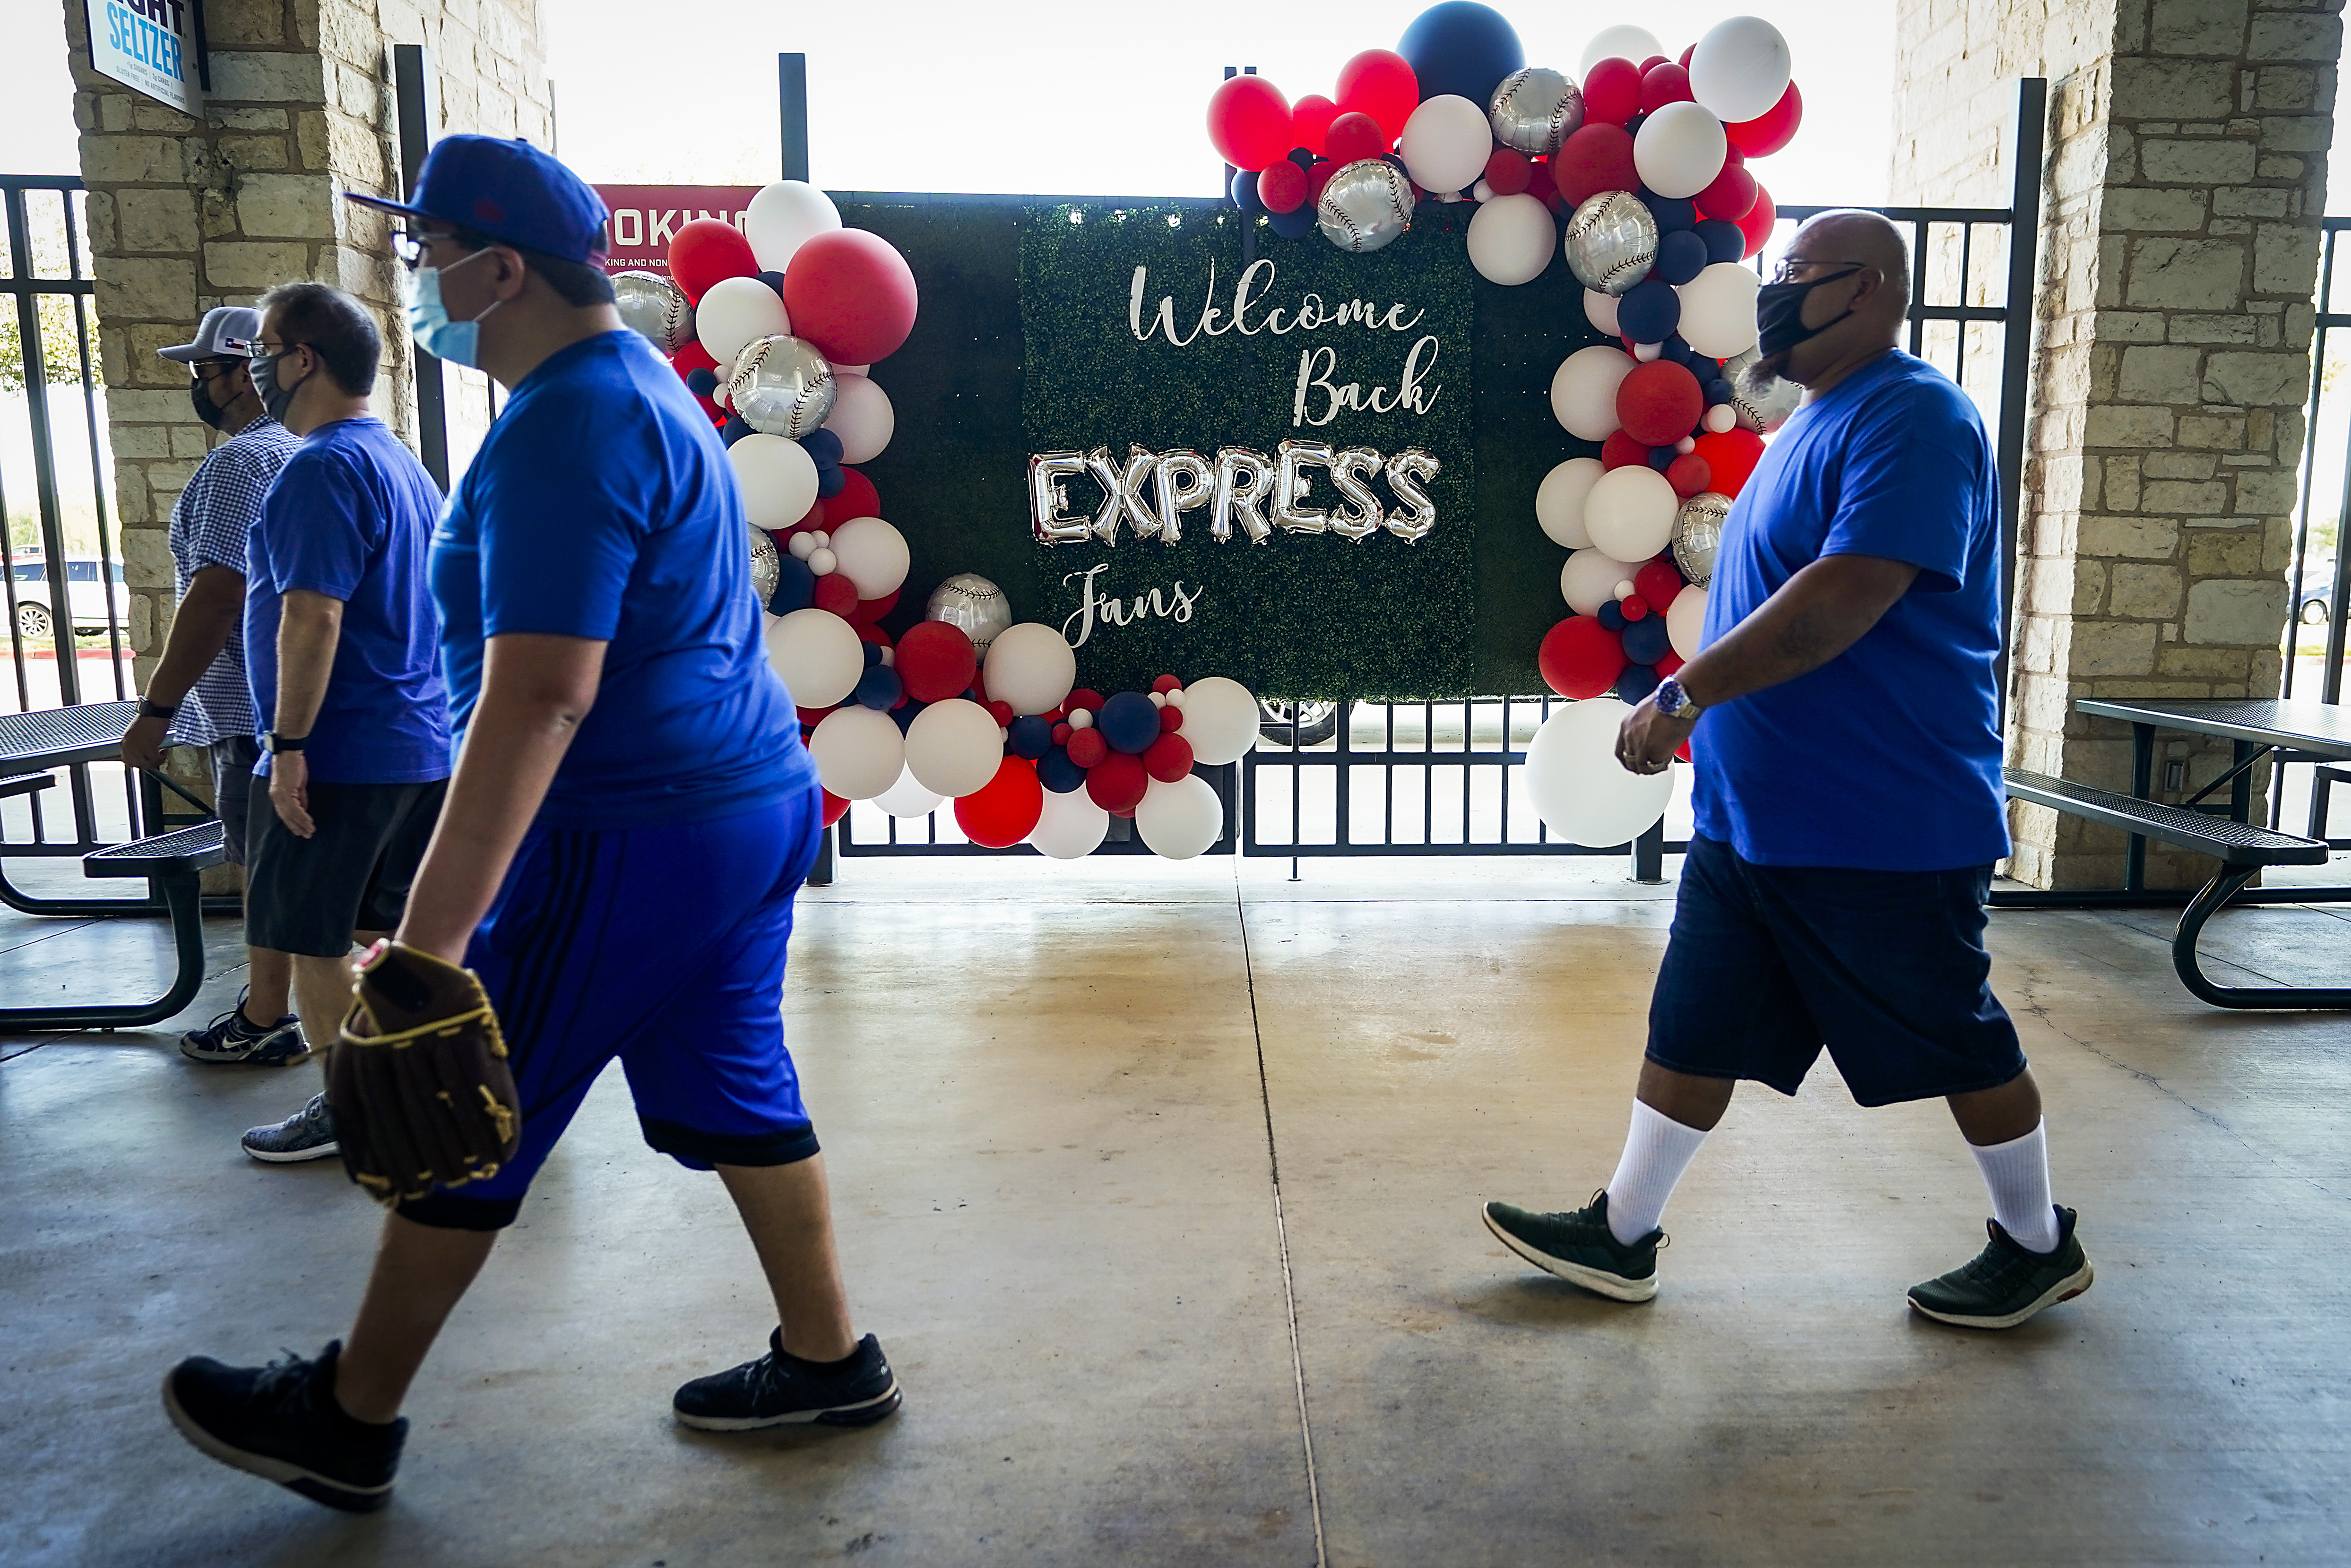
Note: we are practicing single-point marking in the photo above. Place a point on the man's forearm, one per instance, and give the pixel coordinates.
(201, 628)
(310, 626)
(1816, 615)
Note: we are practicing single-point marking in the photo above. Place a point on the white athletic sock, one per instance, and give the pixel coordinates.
(2017, 1174)
(1658, 1149)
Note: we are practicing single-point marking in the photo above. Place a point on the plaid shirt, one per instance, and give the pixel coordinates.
(211, 523)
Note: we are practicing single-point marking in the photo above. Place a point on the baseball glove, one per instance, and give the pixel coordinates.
(418, 1082)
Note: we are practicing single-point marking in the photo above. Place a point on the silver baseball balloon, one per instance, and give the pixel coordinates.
(1415, 514)
(1244, 481)
(764, 568)
(1762, 401)
(1366, 204)
(1535, 110)
(782, 386)
(969, 600)
(1611, 242)
(1697, 534)
(1363, 515)
(652, 305)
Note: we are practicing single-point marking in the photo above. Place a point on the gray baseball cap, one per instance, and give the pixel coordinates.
(227, 333)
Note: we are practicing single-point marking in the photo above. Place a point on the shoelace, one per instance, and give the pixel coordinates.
(1999, 1266)
(283, 1380)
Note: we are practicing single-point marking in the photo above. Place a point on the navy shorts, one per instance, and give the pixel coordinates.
(663, 945)
(1886, 969)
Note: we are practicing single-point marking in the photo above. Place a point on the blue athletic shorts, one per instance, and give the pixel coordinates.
(663, 945)
(1887, 968)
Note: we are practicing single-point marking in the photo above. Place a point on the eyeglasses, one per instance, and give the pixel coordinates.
(1783, 273)
(410, 246)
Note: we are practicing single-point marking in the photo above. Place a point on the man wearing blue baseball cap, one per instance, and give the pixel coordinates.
(631, 815)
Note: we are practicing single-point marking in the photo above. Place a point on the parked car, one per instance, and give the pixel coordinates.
(2317, 591)
(86, 594)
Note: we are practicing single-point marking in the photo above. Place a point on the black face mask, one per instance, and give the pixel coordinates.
(1779, 314)
(200, 394)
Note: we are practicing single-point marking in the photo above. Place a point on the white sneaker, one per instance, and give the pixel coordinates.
(308, 1134)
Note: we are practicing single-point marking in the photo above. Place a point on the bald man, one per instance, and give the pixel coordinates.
(1848, 797)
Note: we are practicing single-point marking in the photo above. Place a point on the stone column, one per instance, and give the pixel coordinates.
(2183, 189)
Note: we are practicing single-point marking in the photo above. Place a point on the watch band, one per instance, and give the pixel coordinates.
(275, 743)
(149, 708)
(1674, 702)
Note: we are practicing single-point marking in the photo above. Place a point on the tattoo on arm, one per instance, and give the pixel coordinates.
(1807, 639)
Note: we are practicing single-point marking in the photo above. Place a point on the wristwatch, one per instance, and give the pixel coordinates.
(272, 743)
(1674, 702)
(148, 708)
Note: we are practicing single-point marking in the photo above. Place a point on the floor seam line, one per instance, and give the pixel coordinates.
(1280, 1230)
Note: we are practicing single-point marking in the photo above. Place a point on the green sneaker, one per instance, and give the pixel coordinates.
(2006, 1284)
(1578, 1248)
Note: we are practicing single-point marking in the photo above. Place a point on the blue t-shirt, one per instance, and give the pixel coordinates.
(601, 506)
(351, 516)
(1888, 757)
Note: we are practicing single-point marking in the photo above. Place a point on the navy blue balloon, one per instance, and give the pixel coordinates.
(1638, 682)
(1129, 722)
(1632, 125)
(702, 381)
(1674, 213)
(1724, 242)
(1612, 616)
(1678, 351)
(824, 446)
(1649, 311)
(1662, 457)
(1301, 156)
(774, 280)
(873, 654)
(1056, 772)
(879, 686)
(830, 480)
(1030, 738)
(1296, 224)
(904, 712)
(795, 585)
(1244, 192)
(734, 430)
(1717, 392)
(1461, 47)
(1681, 256)
(1645, 640)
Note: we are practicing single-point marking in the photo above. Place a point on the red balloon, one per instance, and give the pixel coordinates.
(1317, 177)
(1732, 195)
(1731, 455)
(871, 609)
(1652, 60)
(1163, 685)
(1772, 129)
(812, 716)
(1686, 56)
(1248, 122)
(835, 808)
(810, 521)
(1082, 699)
(1623, 450)
(1688, 474)
(1612, 92)
(1354, 135)
(852, 294)
(1281, 186)
(1168, 759)
(835, 592)
(1310, 118)
(1004, 810)
(707, 251)
(1086, 748)
(1657, 582)
(693, 356)
(1118, 782)
(1171, 719)
(1507, 171)
(936, 661)
(1539, 183)
(1665, 84)
(1580, 658)
(855, 499)
(1757, 225)
(1658, 402)
(1596, 158)
(1665, 666)
(869, 633)
(1633, 607)
(1378, 82)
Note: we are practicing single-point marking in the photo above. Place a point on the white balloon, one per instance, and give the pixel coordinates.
(736, 312)
(1630, 512)
(862, 416)
(819, 656)
(1580, 790)
(1718, 310)
(1720, 418)
(1583, 391)
(1740, 68)
(781, 218)
(1030, 665)
(1446, 143)
(1512, 239)
(823, 561)
(1624, 43)
(1071, 826)
(1179, 820)
(906, 798)
(1559, 501)
(1686, 622)
(1599, 309)
(1679, 150)
(858, 750)
(778, 478)
(953, 747)
(870, 553)
(1220, 719)
(1587, 582)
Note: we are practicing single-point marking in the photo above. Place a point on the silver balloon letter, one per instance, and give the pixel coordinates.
(1291, 484)
(1244, 477)
(1361, 516)
(1184, 483)
(1048, 497)
(1123, 492)
(1407, 471)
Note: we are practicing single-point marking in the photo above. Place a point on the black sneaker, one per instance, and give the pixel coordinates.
(2007, 1284)
(1579, 1248)
(231, 1037)
(281, 1423)
(779, 1390)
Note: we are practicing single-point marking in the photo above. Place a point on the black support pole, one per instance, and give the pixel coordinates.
(415, 109)
(2016, 351)
(792, 98)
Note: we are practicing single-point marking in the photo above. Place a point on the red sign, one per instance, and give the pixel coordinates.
(645, 218)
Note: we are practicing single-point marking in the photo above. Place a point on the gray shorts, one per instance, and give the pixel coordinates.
(232, 759)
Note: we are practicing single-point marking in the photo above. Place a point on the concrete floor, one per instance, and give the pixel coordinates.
(1055, 1102)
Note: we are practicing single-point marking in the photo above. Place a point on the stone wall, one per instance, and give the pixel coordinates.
(2183, 186)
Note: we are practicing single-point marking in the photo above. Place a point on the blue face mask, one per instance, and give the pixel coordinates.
(456, 342)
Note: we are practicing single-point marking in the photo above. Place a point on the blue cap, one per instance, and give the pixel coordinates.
(507, 191)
